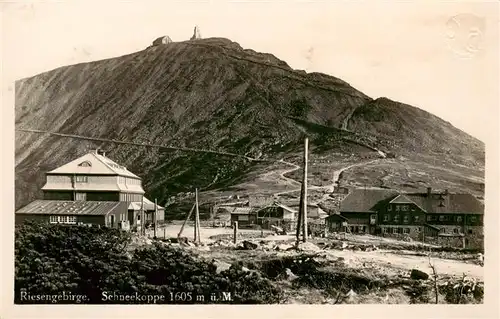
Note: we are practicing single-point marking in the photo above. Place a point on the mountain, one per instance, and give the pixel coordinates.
(213, 94)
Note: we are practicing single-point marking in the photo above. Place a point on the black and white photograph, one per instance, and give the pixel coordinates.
(250, 153)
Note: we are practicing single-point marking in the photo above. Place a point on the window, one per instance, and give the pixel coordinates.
(459, 219)
(395, 230)
(397, 208)
(396, 218)
(412, 208)
(442, 230)
(389, 208)
(406, 219)
(455, 230)
(85, 164)
(473, 219)
(429, 218)
(416, 218)
(470, 231)
(62, 219)
(80, 196)
(81, 179)
(404, 208)
(441, 218)
(386, 217)
(385, 230)
(406, 231)
(420, 229)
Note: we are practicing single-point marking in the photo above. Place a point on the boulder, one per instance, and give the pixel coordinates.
(221, 266)
(290, 275)
(308, 246)
(418, 275)
(284, 247)
(248, 245)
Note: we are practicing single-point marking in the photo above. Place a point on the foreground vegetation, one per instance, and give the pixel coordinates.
(91, 261)
(94, 262)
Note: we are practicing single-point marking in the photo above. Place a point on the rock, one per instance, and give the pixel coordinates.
(196, 33)
(203, 248)
(344, 245)
(248, 245)
(418, 274)
(308, 246)
(162, 40)
(290, 275)
(284, 247)
(350, 295)
(221, 266)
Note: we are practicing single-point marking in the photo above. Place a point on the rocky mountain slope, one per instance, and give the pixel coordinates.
(211, 94)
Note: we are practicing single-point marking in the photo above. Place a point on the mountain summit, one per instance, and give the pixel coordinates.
(213, 94)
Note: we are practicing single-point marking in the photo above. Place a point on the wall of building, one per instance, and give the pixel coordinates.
(120, 213)
(58, 195)
(85, 219)
(103, 196)
(398, 231)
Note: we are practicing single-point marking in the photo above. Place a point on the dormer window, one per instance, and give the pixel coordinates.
(85, 164)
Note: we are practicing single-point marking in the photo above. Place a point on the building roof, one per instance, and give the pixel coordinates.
(361, 200)
(57, 207)
(287, 208)
(93, 164)
(401, 199)
(365, 200)
(336, 216)
(148, 205)
(448, 204)
(242, 211)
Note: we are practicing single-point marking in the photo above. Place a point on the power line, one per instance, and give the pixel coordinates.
(185, 149)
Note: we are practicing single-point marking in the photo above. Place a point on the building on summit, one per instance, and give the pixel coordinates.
(92, 189)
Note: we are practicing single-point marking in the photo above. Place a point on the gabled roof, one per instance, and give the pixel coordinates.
(401, 199)
(57, 207)
(366, 200)
(148, 205)
(242, 211)
(93, 164)
(448, 204)
(287, 208)
(361, 200)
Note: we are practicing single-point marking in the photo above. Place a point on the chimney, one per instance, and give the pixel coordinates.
(100, 152)
(429, 192)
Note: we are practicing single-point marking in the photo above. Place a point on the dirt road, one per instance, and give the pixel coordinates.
(408, 262)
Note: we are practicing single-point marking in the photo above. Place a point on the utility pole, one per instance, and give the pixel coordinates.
(155, 218)
(304, 194)
(143, 223)
(185, 221)
(197, 220)
(302, 218)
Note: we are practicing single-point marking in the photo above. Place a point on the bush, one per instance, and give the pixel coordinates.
(88, 261)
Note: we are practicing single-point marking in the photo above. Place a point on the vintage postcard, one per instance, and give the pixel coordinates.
(214, 154)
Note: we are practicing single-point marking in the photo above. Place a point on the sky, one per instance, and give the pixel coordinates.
(439, 56)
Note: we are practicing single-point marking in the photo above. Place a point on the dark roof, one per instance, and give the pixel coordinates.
(401, 199)
(57, 207)
(336, 216)
(365, 200)
(368, 200)
(448, 204)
